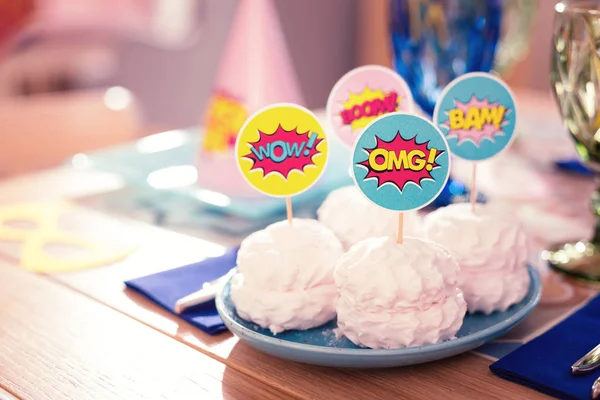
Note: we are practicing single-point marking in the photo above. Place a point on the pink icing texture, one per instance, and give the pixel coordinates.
(394, 296)
(492, 250)
(552, 207)
(354, 218)
(285, 278)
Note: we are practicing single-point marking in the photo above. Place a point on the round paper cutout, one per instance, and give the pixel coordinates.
(401, 162)
(477, 114)
(282, 150)
(361, 96)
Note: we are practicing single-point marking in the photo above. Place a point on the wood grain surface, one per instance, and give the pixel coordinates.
(105, 285)
(468, 376)
(71, 358)
(57, 344)
(4, 395)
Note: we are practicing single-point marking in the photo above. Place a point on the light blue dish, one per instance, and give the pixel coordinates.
(320, 347)
(181, 150)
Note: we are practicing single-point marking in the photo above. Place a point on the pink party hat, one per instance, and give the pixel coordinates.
(256, 70)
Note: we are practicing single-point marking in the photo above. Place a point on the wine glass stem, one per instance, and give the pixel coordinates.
(596, 211)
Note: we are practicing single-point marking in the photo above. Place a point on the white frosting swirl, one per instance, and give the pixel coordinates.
(491, 249)
(279, 311)
(394, 296)
(287, 256)
(353, 218)
(285, 278)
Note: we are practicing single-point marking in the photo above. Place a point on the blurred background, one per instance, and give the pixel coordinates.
(153, 93)
(86, 74)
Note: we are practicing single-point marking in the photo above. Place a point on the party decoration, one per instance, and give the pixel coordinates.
(46, 217)
(401, 162)
(362, 95)
(226, 114)
(477, 114)
(249, 77)
(282, 150)
(415, 159)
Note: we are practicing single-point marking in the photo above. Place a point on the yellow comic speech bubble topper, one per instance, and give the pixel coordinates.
(282, 150)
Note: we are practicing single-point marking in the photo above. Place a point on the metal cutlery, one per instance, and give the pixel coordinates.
(207, 293)
(588, 363)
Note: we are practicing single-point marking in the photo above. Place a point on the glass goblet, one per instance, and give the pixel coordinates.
(575, 78)
(435, 41)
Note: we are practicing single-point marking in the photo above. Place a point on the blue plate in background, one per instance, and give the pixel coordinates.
(319, 346)
(136, 163)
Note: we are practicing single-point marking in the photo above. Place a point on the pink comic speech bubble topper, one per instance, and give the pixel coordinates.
(362, 95)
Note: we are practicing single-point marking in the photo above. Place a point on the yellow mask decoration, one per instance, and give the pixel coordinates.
(46, 216)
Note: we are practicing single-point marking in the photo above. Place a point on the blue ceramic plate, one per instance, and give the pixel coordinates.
(135, 162)
(319, 346)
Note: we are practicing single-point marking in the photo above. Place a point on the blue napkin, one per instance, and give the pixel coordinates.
(454, 191)
(573, 166)
(165, 288)
(544, 364)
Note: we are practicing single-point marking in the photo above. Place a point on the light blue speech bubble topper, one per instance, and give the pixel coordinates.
(477, 114)
(401, 162)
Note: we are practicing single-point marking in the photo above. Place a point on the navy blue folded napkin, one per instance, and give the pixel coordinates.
(573, 166)
(544, 364)
(454, 191)
(165, 288)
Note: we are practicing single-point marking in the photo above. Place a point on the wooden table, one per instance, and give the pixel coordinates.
(83, 336)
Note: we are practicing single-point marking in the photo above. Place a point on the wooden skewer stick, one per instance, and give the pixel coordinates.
(474, 187)
(288, 207)
(400, 227)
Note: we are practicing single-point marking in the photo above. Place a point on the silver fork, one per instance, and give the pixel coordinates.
(586, 364)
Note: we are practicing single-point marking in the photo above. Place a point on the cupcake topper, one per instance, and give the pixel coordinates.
(401, 162)
(362, 95)
(281, 151)
(477, 114)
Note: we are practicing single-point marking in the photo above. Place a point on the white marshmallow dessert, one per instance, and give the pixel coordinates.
(352, 217)
(285, 276)
(492, 251)
(398, 295)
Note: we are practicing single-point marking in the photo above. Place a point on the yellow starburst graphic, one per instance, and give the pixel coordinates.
(362, 108)
(224, 119)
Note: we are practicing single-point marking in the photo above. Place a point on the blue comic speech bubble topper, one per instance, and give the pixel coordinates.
(401, 162)
(477, 114)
